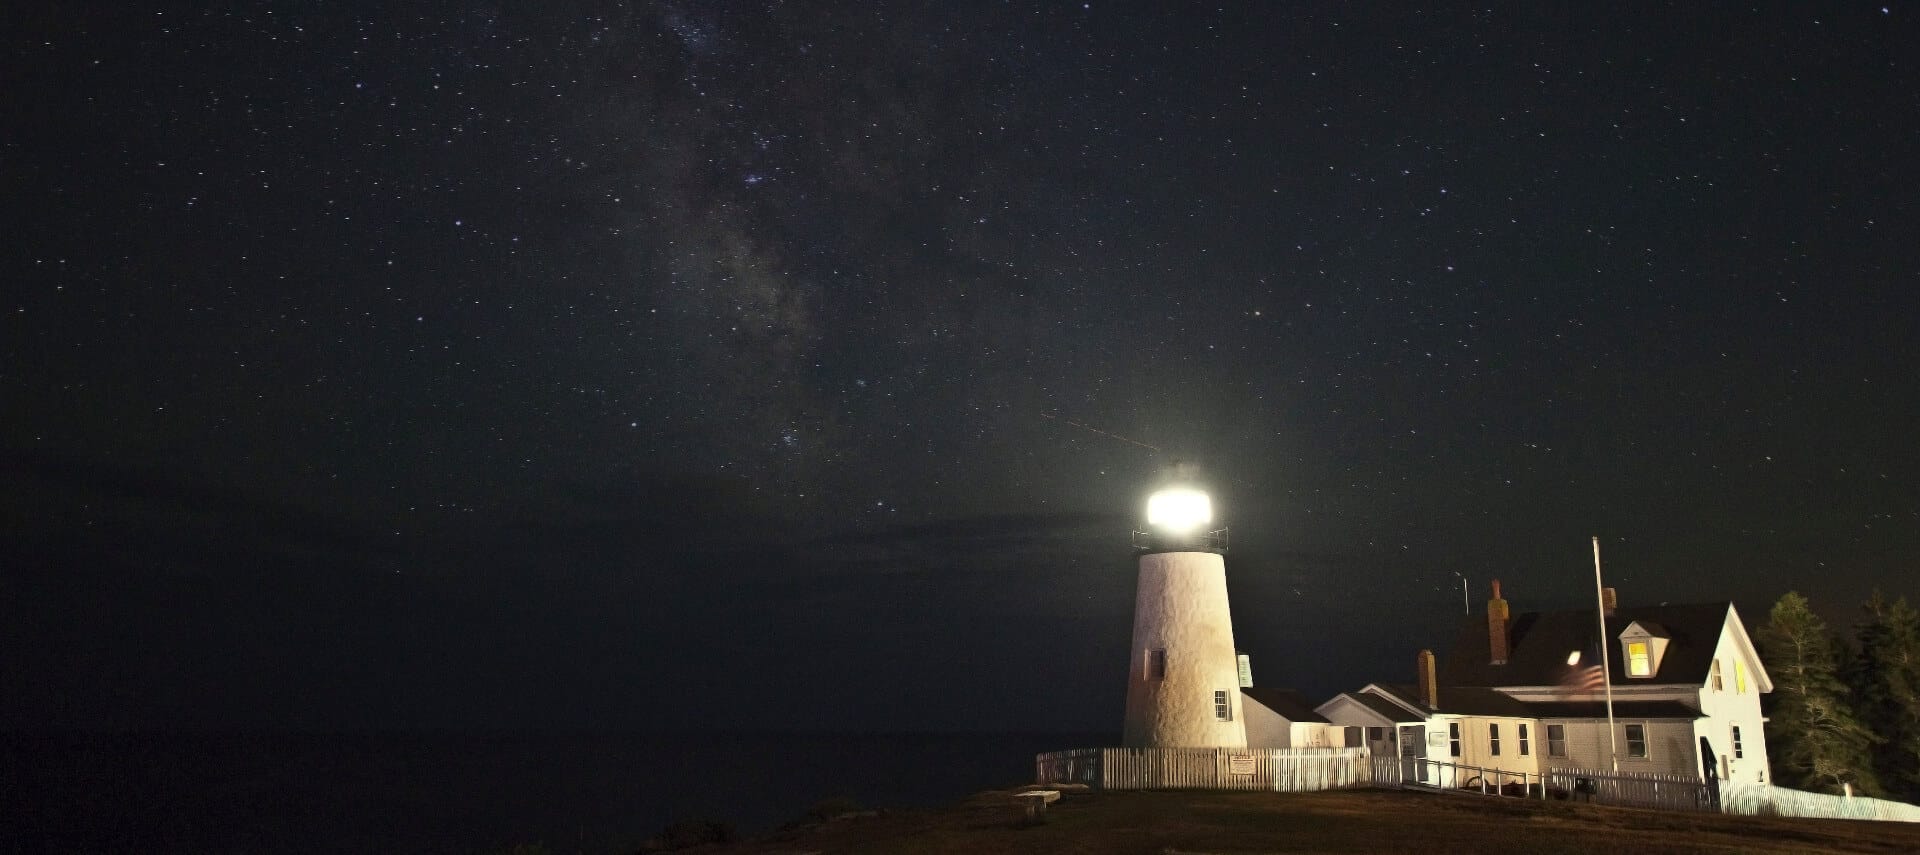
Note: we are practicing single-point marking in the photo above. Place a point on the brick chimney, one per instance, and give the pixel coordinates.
(1497, 643)
(1429, 687)
(1609, 601)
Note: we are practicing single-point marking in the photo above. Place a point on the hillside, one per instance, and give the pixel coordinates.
(1350, 821)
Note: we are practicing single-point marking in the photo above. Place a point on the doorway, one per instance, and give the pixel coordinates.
(1413, 752)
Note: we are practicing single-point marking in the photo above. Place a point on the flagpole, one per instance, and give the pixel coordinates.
(1606, 662)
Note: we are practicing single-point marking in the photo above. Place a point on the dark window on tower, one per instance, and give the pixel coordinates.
(1493, 737)
(1739, 751)
(1222, 708)
(1157, 664)
(1525, 746)
(1453, 737)
(1636, 740)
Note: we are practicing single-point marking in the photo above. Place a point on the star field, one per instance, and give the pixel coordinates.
(465, 365)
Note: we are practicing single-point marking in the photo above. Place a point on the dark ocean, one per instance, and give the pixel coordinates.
(439, 792)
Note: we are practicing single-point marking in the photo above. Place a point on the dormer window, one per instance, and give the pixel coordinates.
(1643, 643)
(1639, 662)
(1713, 677)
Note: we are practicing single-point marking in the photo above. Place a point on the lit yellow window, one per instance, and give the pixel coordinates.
(1638, 665)
(1739, 676)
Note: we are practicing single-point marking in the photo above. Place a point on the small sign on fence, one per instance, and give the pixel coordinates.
(1240, 764)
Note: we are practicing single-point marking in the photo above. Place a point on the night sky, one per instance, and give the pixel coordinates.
(738, 365)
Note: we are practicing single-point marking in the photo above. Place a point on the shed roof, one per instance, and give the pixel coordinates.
(1287, 703)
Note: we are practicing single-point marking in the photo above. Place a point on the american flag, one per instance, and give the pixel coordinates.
(1584, 679)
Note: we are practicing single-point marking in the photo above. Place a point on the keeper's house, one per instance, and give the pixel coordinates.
(1524, 693)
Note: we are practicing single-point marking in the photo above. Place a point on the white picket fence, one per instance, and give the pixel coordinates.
(1286, 770)
(1300, 770)
(1634, 789)
(1769, 800)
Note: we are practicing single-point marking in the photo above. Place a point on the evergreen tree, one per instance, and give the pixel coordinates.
(1886, 686)
(1816, 742)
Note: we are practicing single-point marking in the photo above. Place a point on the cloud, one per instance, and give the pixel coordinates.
(134, 511)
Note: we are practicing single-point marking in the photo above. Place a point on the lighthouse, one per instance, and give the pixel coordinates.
(1183, 679)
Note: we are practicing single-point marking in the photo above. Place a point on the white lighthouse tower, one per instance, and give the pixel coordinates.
(1183, 683)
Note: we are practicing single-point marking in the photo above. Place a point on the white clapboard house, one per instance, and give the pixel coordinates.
(1523, 693)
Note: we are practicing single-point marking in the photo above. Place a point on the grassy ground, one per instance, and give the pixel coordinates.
(1169, 823)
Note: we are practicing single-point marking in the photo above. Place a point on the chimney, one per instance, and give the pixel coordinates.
(1497, 627)
(1609, 601)
(1429, 687)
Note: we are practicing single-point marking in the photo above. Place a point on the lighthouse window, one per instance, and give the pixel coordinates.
(1222, 708)
(1157, 664)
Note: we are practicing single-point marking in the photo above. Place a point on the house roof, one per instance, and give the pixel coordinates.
(1621, 709)
(1460, 700)
(1492, 702)
(1652, 628)
(1540, 642)
(1287, 703)
(1380, 706)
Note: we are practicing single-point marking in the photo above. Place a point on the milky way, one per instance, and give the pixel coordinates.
(569, 352)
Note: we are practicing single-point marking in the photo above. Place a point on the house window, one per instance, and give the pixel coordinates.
(1638, 663)
(1713, 677)
(1524, 745)
(1739, 676)
(1353, 737)
(1556, 740)
(1453, 737)
(1222, 708)
(1157, 664)
(1375, 734)
(1636, 740)
(1739, 750)
(1493, 737)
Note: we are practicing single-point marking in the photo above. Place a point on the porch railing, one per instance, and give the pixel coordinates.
(1421, 772)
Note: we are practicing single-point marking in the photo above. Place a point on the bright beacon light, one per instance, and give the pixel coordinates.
(1179, 510)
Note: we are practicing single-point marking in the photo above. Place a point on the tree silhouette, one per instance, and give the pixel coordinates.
(1885, 678)
(1817, 742)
